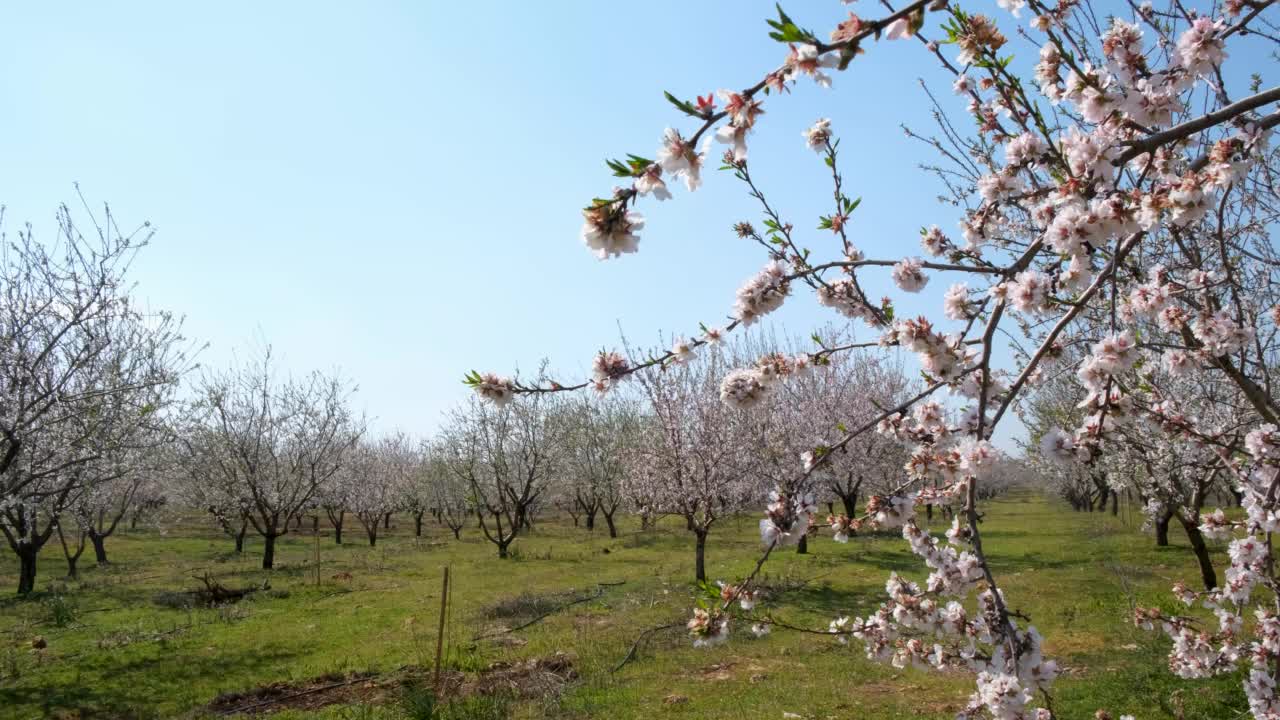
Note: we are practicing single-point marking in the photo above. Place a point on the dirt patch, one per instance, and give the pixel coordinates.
(539, 677)
(525, 679)
(310, 694)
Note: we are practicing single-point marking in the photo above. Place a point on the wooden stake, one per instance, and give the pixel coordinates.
(444, 602)
(317, 534)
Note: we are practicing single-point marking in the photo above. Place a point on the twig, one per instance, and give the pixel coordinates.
(636, 645)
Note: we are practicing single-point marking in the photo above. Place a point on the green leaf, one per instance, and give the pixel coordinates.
(637, 163)
(619, 168)
(786, 31)
(683, 106)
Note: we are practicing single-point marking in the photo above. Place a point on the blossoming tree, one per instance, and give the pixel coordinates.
(506, 456)
(690, 457)
(597, 436)
(268, 445)
(84, 375)
(1129, 173)
(374, 474)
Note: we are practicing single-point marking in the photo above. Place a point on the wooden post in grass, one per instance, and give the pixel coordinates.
(444, 602)
(317, 535)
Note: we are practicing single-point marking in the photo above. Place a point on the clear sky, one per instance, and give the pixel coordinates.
(392, 189)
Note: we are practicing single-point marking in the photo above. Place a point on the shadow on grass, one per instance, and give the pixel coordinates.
(826, 600)
(133, 689)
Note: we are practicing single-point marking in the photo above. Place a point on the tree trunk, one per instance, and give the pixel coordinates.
(613, 528)
(337, 521)
(457, 532)
(315, 524)
(1207, 573)
(99, 547)
(386, 521)
(591, 520)
(27, 568)
(850, 505)
(73, 558)
(373, 534)
(239, 537)
(1162, 529)
(700, 555)
(928, 512)
(802, 547)
(268, 551)
(1115, 503)
(417, 524)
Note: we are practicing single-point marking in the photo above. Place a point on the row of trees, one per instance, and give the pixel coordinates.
(1149, 460)
(105, 417)
(668, 446)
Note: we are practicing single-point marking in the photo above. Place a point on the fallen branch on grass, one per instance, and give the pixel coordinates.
(216, 594)
(636, 645)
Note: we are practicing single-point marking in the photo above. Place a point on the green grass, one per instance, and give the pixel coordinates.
(113, 652)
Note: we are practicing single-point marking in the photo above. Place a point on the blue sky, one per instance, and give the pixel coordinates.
(392, 189)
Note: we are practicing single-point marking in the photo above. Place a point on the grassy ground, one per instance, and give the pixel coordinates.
(112, 651)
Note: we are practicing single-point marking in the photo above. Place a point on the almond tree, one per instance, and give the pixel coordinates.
(227, 503)
(416, 492)
(334, 498)
(272, 444)
(506, 457)
(376, 473)
(841, 390)
(451, 501)
(98, 512)
(83, 375)
(595, 437)
(689, 458)
(1131, 177)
